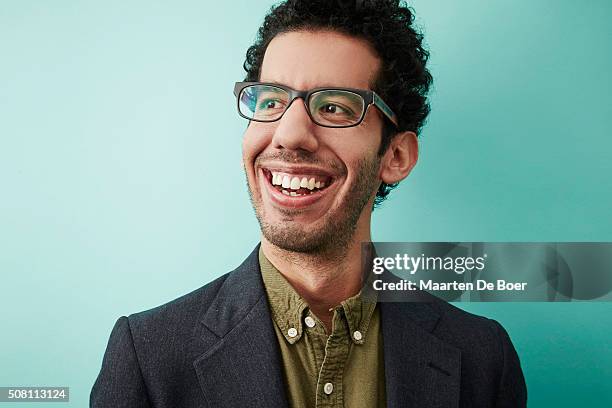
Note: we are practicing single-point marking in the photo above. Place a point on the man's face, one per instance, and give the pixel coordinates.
(343, 162)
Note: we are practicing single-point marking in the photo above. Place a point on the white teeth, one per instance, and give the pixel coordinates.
(285, 192)
(295, 183)
(286, 182)
(277, 179)
(293, 194)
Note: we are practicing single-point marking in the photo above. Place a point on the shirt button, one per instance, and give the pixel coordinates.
(357, 335)
(328, 388)
(292, 332)
(310, 322)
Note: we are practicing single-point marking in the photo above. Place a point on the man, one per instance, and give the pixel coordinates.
(335, 97)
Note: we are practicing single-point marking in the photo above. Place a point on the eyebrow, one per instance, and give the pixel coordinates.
(272, 82)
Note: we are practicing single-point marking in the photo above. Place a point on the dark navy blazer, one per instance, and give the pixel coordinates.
(216, 347)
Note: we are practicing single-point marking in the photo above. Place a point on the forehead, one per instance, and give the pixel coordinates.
(310, 59)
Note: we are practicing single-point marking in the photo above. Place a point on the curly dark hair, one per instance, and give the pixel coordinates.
(403, 81)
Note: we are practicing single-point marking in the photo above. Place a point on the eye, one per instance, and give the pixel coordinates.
(270, 104)
(329, 108)
(333, 109)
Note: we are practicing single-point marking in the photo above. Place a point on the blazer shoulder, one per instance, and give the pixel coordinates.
(178, 314)
(181, 319)
(182, 311)
(148, 348)
(486, 348)
(477, 336)
(453, 317)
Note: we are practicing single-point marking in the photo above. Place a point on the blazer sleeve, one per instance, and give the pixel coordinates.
(512, 390)
(120, 382)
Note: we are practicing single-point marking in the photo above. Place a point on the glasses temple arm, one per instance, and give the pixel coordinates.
(384, 108)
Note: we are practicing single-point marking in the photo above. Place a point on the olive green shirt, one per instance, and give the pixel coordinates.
(343, 369)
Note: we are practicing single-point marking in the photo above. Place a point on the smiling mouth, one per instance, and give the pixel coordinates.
(297, 185)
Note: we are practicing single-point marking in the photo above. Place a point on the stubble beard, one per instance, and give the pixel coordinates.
(338, 225)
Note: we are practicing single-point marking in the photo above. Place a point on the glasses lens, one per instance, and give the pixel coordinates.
(263, 102)
(336, 108)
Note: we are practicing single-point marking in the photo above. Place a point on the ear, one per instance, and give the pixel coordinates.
(399, 159)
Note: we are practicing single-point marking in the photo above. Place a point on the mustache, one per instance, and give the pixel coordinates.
(298, 157)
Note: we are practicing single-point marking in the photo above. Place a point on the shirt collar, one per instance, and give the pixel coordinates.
(289, 309)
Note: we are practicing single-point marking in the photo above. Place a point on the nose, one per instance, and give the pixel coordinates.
(295, 130)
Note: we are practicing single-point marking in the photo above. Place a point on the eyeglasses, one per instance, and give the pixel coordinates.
(327, 107)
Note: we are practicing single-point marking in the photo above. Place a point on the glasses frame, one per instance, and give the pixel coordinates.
(369, 98)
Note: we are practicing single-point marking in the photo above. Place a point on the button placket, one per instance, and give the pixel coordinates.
(329, 390)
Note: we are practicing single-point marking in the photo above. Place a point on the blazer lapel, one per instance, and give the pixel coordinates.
(242, 366)
(420, 369)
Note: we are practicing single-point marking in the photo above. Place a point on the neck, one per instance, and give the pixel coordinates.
(323, 280)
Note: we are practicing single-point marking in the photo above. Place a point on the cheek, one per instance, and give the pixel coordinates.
(354, 149)
(255, 139)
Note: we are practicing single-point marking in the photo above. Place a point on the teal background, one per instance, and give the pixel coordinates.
(121, 186)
